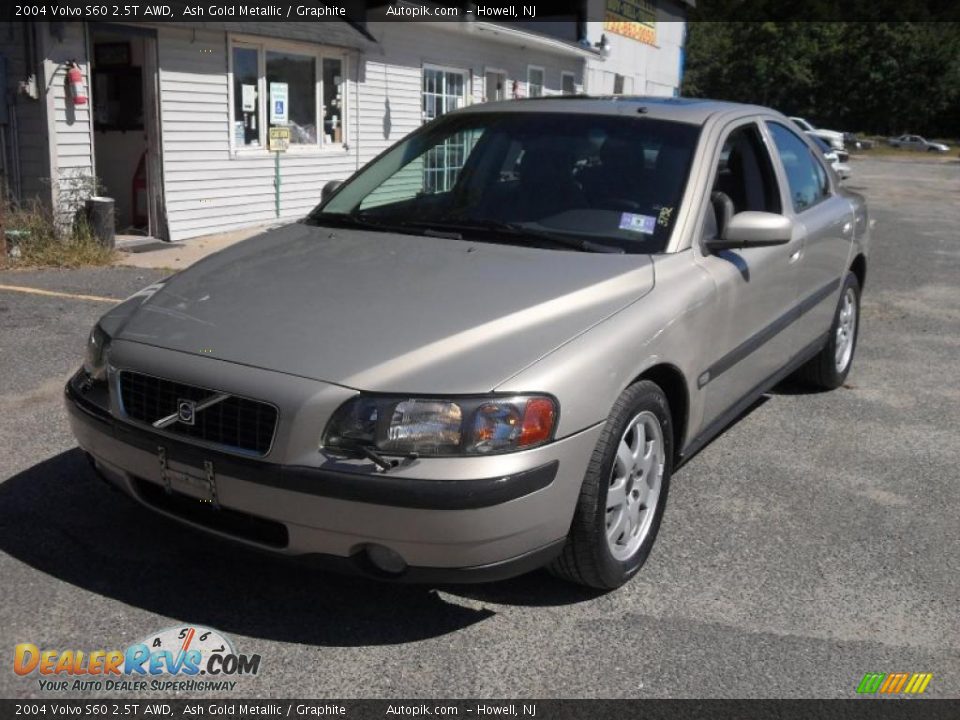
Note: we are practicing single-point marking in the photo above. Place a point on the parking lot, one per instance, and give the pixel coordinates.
(815, 540)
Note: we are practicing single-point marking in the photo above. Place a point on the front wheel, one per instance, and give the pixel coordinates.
(624, 492)
(830, 367)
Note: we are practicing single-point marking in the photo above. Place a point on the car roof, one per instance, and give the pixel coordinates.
(687, 110)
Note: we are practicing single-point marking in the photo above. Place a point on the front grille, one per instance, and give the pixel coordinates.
(230, 522)
(235, 423)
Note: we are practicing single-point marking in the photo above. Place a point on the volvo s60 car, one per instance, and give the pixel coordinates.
(490, 348)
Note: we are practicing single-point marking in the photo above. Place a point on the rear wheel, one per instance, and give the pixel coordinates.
(624, 492)
(830, 367)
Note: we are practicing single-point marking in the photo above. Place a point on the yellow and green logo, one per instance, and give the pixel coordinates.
(894, 683)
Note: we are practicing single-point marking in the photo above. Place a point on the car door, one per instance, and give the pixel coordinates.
(756, 287)
(826, 220)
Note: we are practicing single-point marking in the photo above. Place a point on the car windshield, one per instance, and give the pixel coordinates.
(587, 182)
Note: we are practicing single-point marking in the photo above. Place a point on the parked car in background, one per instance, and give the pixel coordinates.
(852, 140)
(915, 142)
(834, 138)
(465, 369)
(838, 159)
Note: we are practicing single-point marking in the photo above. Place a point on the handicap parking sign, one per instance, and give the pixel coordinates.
(278, 103)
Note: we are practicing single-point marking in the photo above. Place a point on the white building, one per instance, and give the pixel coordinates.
(177, 125)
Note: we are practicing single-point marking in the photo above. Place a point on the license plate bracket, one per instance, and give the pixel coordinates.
(186, 480)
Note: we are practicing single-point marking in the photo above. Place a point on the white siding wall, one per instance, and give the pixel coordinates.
(70, 125)
(206, 188)
(647, 69)
(209, 190)
(390, 102)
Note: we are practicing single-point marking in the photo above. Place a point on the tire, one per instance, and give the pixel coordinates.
(589, 558)
(825, 370)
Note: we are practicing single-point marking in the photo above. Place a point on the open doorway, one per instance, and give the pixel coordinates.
(126, 128)
(495, 86)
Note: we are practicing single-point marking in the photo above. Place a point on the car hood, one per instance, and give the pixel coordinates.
(833, 134)
(385, 312)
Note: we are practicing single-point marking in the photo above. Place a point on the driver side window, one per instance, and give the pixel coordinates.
(744, 179)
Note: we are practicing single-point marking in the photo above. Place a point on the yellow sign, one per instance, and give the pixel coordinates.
(634, 19)
(279, 139)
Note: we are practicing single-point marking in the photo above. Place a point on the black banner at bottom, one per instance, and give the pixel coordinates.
(867, 709)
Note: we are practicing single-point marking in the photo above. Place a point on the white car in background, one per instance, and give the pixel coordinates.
(831, 137)
(838, 159)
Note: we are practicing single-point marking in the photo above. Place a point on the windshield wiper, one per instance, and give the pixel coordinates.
(453, 231)
(397, 226)
(524, 230)
(348, 220)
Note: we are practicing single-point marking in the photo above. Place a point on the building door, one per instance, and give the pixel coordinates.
(126, 123)
(443, 90)
(496, 86)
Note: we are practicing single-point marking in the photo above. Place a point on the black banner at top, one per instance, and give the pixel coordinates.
(522, 11)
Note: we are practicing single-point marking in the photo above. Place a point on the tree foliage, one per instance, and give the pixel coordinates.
(875, 77)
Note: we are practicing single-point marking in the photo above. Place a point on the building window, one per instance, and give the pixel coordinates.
(276, 85)
(246, 104)
(534, 81)
(332, 100)
(568, 83)
(618, 84)
(443, 90)
(291, 93)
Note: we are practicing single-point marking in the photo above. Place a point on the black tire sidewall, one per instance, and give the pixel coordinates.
(644, 395)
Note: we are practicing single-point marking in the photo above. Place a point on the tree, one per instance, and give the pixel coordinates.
(873, 77)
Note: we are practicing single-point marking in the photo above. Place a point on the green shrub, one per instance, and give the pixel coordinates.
(35, 240)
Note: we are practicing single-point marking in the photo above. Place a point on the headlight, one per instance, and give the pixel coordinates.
(95, 357)
(442, 427)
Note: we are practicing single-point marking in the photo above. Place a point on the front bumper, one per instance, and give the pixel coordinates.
(510, 517)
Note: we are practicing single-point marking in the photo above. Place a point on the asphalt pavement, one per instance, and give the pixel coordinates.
(814, 541)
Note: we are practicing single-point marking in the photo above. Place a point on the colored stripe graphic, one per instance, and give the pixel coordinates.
(870, 683)
(894, 683)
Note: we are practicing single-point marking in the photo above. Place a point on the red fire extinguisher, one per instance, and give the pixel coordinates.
(75, 80)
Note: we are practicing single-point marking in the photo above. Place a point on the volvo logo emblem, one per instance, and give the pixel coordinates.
(186, 411)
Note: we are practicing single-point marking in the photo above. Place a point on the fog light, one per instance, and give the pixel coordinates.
(385, 559)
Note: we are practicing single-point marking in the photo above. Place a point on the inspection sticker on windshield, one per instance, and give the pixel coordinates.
(638, 223)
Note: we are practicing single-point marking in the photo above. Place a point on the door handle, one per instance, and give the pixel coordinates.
(796, 255)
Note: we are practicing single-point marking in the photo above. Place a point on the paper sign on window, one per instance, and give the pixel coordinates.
(249, 98)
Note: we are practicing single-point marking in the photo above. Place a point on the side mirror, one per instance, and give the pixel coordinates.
(329, 189)
(753, 229)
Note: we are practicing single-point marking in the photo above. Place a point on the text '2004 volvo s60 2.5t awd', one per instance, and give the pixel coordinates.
(487, 351)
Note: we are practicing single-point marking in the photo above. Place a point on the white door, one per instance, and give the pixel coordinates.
(496, 86)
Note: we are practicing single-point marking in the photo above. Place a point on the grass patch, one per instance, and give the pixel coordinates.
(34, 240)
